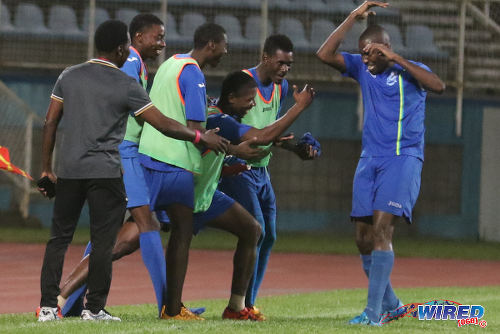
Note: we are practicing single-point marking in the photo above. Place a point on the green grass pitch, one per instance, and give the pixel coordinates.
(321, 312)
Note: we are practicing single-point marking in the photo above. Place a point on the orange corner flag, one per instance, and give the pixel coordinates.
(5, 163)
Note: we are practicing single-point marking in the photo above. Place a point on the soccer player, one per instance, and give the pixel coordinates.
(214, 208)
(98, 94)
(179, 92)
(147, 34)
(252, 188)
(387, 179)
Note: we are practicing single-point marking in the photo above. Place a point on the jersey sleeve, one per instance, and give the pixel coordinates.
(132, 67)
(229, 127)
(353, 65)
(57, 91)
(138, 100)
(193, 91)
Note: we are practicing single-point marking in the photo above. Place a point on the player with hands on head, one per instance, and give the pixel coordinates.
(387, 180)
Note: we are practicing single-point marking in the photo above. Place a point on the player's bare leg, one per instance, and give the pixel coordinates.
(177, 255)
(238, 221)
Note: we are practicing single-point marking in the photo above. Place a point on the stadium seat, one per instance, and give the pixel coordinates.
(29, 19)
(252, 30)
(101, 15)
(62, 22)
(316, 6)
(126, 14)
(251, 4)
(189, 23)
(294, 29)
(396, 38)
(351, 39)
(5, 21)
(233, 29)
(320, 30)
(420, 42)
(281, 4)
(341, 7)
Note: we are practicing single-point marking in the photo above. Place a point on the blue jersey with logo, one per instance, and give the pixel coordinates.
(394, 109)
(267, 91)
(135, 67)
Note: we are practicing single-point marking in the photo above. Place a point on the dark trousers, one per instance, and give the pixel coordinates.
(107, 204)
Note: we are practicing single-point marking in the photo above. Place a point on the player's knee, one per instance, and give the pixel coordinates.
(364, 243)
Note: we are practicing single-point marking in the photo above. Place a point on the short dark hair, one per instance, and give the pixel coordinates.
(208, 32)
(109, 35)
(233, 83)
(141, 22)
(277, 42)
(376, 33)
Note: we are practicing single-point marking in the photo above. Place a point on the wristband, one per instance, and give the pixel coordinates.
(197, 137)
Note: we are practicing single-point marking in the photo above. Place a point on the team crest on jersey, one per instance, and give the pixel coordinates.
(131, 59)
(392, 79)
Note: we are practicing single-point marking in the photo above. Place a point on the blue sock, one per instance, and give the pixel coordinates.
(380, 271)
(154, 260)
(390, 300)
(74, 303)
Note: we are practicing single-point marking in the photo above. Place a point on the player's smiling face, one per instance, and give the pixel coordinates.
(278, 65)
(243, 101)
(375, 62)
(152, 40)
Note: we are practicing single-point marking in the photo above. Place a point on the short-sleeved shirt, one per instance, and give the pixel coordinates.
(97, 98)
(267, 91)
(394, 109)
(134, 67)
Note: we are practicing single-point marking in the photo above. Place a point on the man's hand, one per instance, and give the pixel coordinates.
(382, 49)
(211, 140)
(246, 151)
(362, 12)
(305, 97)
(308, 148)
(43, 189)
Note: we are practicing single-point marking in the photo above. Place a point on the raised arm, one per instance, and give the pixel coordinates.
(171, 128)
(327, 52)
(430, 81)
(271, 132)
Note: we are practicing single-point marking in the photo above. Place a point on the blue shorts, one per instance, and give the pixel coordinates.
(168, 188)
(133, 178)
(220, 204)
(388, 184)
(253, 190)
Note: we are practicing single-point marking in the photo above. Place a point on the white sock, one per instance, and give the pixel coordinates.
(236, 302)
(61, 301)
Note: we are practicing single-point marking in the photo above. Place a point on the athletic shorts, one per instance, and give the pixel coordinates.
(166, 188)
(133, 178)
(388, 184)
(253, 190)
(220, 204)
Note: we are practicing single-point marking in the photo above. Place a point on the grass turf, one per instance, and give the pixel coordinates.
(322, 312)
(325, 243)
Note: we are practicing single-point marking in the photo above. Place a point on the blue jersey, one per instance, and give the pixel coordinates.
(267, 91)
(135, 67)
(230, 129)
(394, 109)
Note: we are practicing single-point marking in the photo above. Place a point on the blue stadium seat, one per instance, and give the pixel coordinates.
(29, 19)
(126, 14)
(341, 7)
(5, 21)
(351, 39)
(396, 38)
(189, 23)
(101, 15)
(233, 29)
(252, 30)
(420, 43)
(294, 29)
(320, 30)
(62, 22)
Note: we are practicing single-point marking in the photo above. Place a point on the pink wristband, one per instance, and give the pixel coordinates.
(197, 137)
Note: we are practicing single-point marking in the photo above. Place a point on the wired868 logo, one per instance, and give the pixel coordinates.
(446, 310)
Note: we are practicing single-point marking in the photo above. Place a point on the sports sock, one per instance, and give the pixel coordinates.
(390, 300)
(380, 271)
(154, 260)
(236, 302)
